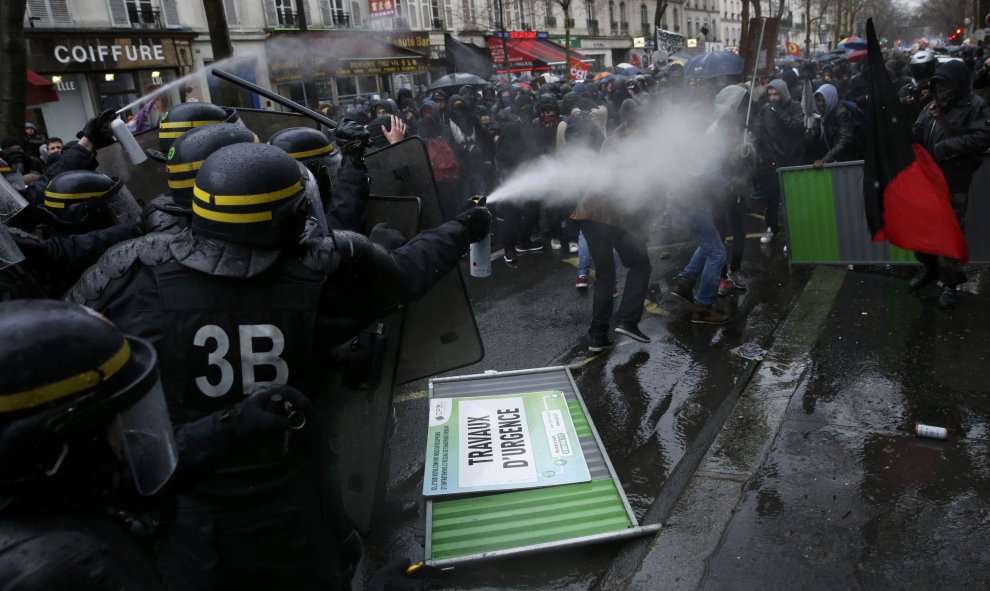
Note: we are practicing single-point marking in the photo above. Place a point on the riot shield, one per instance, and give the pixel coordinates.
(359, 413)
(430, 346)
(147, 180)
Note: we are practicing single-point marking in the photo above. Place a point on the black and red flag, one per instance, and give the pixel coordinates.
(906, 196)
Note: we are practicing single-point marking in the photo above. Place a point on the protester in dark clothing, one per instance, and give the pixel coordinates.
(545, 133)
(407, 111)
(955, 129)
(472, 145)
(778, 135)
(836, 134)
(516, 146)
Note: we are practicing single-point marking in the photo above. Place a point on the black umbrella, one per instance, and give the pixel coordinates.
(452, 83)
(715, 63)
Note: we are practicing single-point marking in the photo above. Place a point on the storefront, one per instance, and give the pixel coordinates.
(341, 66)
(94, 70)
(533, 52)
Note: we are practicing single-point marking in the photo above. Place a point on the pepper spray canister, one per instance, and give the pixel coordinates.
(481, 251)
(127, 141)
(930, 431)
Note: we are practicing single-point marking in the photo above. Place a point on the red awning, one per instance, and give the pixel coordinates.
(535, 54)
(39, 89)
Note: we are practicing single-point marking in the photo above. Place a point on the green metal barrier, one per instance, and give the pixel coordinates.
(825, 218)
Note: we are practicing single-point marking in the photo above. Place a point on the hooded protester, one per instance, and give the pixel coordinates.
(429, 125)
(440, 98)
(955, 129)
(836, 137)
(407, 112)
(778, 135)
(472, 145)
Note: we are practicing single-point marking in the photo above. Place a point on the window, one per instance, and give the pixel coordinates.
(334, 13)
(142, 13)
(643, 16)
(284, 15)
(622, 13)
(589, 10)
(230, 11)
(48, 12)
(611, 11)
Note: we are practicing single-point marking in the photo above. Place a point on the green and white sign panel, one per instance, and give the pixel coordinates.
(494, 443)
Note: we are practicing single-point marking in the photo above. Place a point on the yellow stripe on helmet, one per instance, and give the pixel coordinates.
(255, 199)
(184, 167)
(67, 387)
(186, 124)
(232, 218)
(314, 152)
(68, 196)
(55, 204)
(168, 135)
(181, 183)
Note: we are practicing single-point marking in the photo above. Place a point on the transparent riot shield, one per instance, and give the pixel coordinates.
(440, 330)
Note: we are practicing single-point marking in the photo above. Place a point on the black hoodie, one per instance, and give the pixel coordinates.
(957, 139)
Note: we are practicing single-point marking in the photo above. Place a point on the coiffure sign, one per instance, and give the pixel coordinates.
(102, 54)
(82, 54)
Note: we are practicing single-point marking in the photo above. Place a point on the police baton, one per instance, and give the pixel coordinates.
(288, 104)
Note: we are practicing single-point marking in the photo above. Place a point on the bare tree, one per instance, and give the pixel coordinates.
(13, 67)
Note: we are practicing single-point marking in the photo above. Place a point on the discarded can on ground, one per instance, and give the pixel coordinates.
(930, 431)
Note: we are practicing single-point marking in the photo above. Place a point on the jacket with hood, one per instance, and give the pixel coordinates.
(546, 136)
(467, 137)
(779, 129)
(836, 129)
(515, 145)
(959, 137)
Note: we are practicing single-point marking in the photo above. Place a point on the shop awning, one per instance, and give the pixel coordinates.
(294, 57)
(533, 54)
(40, 89)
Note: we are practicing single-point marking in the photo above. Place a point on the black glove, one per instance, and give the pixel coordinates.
(392, 577)
(478, 222)
(256, 415)
(387, 237)
(98, 129)
(351, 137)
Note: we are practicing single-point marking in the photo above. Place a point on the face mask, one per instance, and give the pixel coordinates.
(945, 96)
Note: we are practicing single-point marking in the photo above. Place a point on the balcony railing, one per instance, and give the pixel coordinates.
(624, 28)
(571, 23)
(647, 30)
(437, 23)
(592, 27)
(340, 18)
(525, 27)
(285, 17)
(551, 21)
(614, 27)
(144, 19)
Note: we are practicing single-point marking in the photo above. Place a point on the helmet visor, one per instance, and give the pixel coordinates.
(10, 254)
(123, 207)
(11, 202)
(316, 217)
(148, 442)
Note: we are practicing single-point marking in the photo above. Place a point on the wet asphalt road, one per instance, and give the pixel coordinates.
(801, 470)
(649, 402)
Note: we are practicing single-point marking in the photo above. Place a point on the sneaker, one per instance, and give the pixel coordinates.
(555, 243)
(528, 248)
(723, 287)
(510, 258)
(682, 289)
(633, 332)
(572, 247)
(767, 237)
(702, 314)
(597, 344)
(582, 282)
(735, 282)
(946, 298)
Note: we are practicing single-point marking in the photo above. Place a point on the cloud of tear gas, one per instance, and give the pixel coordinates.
(665, 154)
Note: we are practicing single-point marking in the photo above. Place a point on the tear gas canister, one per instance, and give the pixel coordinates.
(481, 251)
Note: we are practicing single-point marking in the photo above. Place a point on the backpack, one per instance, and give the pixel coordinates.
(442, 160)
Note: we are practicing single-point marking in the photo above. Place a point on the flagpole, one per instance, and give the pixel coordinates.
(756, 68)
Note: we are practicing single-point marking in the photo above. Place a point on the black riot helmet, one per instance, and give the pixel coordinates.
(188, 153)
(315, 151)
(250, 194)
(11, 201)
(12, 175)
(81, 200)
(74, 390)
(185, 116)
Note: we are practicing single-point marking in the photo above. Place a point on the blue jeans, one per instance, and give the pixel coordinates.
(708, 258)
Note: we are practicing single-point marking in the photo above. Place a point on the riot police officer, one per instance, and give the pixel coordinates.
(235, 304)
(185, 117)
(173, 211)
(78, 400)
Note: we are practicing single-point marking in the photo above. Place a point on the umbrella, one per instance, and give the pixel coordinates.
(601, 75)
(716, 63)
(856, 56)
(631, 71)
(452, 83)
(852, 43)
(623, 66)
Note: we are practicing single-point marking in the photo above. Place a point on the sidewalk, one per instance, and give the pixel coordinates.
(817, 481)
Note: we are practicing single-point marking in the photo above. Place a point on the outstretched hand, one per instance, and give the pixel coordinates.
(398, 131)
